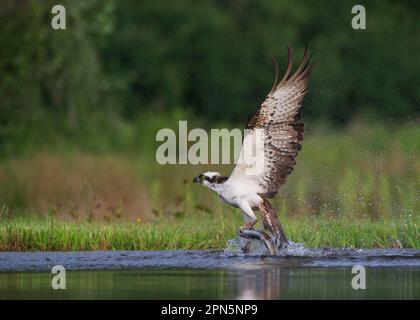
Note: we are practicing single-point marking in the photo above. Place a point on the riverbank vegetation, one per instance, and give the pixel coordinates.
(202, 232)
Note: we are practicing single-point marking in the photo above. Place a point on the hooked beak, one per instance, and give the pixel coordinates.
(196, 180)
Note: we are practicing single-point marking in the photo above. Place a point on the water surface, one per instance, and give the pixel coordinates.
(299, 273)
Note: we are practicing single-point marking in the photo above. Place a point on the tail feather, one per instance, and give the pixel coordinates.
(271, 223)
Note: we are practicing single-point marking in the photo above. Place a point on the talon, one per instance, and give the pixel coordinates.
(249, 225)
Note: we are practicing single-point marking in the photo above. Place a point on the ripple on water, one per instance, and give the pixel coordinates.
(232, 257)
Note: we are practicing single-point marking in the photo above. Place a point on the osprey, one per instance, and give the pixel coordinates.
(279, 118)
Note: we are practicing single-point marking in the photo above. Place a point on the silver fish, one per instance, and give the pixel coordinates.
(262, 236)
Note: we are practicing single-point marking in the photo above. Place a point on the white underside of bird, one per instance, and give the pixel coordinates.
(238, 195)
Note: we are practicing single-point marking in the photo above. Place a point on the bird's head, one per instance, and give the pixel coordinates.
(210, 179)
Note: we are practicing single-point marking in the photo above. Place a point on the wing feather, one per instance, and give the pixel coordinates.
(280, 119)
(271, 222)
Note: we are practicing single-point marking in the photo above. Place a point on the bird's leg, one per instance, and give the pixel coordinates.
(248, 214)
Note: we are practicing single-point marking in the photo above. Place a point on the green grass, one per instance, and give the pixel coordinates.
(48, 234)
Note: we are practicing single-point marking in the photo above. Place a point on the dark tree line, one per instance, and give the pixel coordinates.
(118, 59)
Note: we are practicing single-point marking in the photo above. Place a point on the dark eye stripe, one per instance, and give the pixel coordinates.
(218, 179)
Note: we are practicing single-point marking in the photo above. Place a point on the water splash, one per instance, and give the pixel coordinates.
(295, 249)
(242, 246)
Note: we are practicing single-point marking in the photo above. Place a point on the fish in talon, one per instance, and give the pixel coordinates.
(261, 236)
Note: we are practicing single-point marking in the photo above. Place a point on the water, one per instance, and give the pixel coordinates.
(300, 273)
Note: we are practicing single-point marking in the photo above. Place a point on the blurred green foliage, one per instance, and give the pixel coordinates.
(120, 59)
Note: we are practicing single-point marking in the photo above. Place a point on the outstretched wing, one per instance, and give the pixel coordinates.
(279, 118)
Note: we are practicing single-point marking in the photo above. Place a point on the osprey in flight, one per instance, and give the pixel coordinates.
(279, 119)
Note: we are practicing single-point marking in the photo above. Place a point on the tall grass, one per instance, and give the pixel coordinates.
(201, 232)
